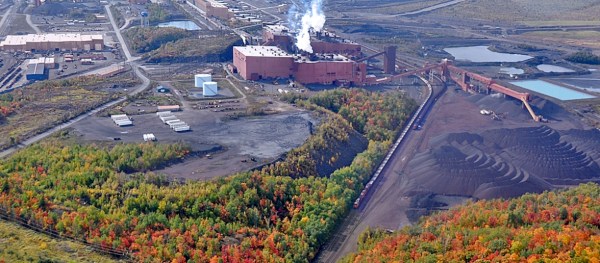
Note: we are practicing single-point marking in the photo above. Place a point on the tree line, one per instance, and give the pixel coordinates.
(561, 226)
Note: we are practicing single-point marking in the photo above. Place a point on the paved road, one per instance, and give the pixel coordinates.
(127, 22)
(432, 8)
(59, 127)
(144, 85)
(228, 78)
(32, 25)
(5, 17)
(118, 33)
(130, 59)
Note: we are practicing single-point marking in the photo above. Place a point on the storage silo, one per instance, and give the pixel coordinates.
(199, 79)
(209, 89)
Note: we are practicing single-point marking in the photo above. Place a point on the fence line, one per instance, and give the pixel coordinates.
(32, 225)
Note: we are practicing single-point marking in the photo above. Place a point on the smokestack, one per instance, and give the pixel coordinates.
(310, 17)
(389, 60)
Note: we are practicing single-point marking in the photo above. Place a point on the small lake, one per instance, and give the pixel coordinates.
(511, 71)
(553, 68)
(183, 24)
(552, 90)
(481, 54)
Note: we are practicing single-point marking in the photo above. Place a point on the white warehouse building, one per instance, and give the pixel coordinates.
(53, 42)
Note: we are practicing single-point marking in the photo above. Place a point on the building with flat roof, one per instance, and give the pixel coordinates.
(214, 9)
(36, 71)
(47, 62)
(262, 62)
(277, 35)
(55, 42)
(268, 62)
(321, 42)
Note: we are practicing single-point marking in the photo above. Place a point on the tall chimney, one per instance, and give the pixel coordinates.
(389, 60)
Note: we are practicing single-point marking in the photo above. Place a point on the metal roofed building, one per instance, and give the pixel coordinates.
(262, 62)
(47, 62)
(36, 71)
(57, 42)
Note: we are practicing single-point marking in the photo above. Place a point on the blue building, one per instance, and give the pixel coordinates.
(36, 71)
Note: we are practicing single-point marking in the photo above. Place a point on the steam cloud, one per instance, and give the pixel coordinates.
(304, 18)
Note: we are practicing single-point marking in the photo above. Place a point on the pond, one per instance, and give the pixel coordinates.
(553, 68)
(511, 71)
(481, 54)
(183, 24)
(552, 90)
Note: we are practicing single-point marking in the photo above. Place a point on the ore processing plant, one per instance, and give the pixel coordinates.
(340, 62)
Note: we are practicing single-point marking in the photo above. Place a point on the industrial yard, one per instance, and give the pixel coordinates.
(507, 106)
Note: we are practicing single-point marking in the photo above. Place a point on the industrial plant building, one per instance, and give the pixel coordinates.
(324, 42)
(214, 9)
(333, 60)
(277, 35)
(267, 62)
(262, 62)
(52, 42)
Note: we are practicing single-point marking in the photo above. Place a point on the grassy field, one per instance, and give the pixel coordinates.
(590, 39)
(510, 11)
(399, 7)
(560, 23)
(566, 34)
(19, 25)
(19, 244)
(47, 103)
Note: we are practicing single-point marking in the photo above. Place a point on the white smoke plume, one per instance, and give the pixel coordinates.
(309, 17)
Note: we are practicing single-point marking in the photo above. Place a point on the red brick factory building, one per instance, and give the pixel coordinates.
(321, 42)
(332, 62)
(269, 62)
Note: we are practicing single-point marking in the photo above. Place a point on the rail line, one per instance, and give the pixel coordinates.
(33, 225)
(407, 128)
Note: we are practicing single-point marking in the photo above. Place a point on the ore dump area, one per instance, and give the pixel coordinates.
(220, 146)
(467, 154)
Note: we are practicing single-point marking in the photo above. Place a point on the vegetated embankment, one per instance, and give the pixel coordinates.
(284, 212)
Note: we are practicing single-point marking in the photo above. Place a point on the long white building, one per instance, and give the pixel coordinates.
(57, 42)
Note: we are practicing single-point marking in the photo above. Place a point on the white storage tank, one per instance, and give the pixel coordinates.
(200, 79)
(209, 89)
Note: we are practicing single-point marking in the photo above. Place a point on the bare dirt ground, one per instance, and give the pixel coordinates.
(460, 154)
(229, 142)
(468, 154)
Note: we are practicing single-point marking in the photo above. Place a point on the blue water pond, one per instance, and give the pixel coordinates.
(552, 90)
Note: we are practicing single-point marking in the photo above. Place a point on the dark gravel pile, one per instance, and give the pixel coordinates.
(506, 162)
